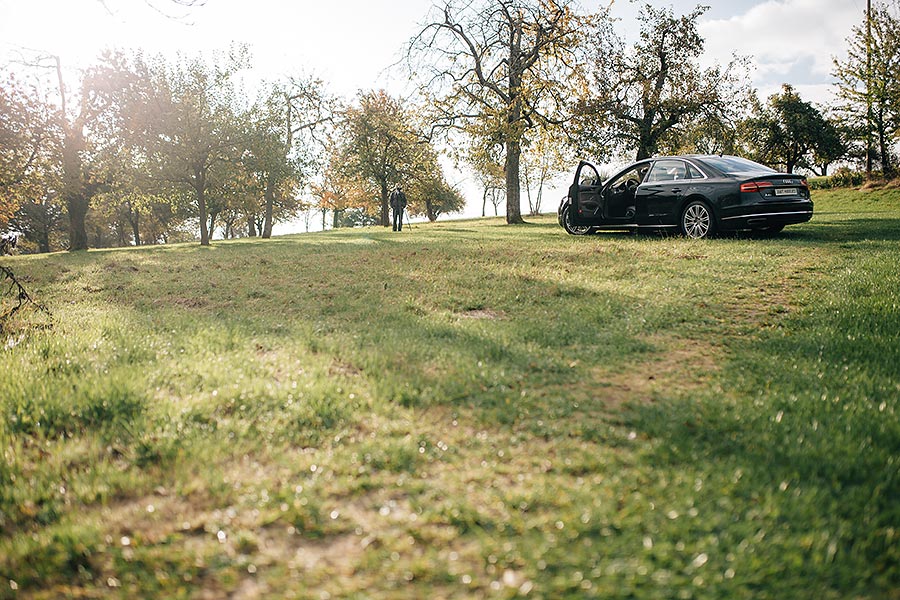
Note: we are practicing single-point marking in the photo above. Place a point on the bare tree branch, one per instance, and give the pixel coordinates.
(21, 296)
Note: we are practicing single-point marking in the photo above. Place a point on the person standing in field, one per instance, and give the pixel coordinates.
(398, 205)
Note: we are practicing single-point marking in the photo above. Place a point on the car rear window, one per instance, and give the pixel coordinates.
(693, 172)
(734, 165)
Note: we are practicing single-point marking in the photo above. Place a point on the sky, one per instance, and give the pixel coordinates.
(352, 44)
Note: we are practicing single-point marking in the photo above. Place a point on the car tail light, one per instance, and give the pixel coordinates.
(755, 186)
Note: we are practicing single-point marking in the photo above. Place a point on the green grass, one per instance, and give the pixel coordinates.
(465, 409)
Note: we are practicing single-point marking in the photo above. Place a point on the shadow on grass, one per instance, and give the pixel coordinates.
(805, 433)
(417, 332)
(821, 229)
(846, 230)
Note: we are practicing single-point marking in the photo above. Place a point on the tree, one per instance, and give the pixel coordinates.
(430, 194)
(355, 217)
(86, 142)
(284, 146)
(500, 64)
(436, 198)
(790, 132)
(378, 145)
(194, 129)
(41, 221)
(544, 158)
(338, 192)
(830, 147)
(639, 98)
(710, 133)
(26, 135)
(483, 153)
(92, 122)
(868, 87)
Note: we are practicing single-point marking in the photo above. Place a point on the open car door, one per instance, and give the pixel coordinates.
(619, 195)
(585, 196)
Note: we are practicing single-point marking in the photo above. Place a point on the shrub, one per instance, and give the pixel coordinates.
(841, 178)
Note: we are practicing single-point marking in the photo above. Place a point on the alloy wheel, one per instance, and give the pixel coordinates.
(696, 222)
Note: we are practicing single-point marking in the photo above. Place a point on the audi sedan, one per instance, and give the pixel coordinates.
(696, 195)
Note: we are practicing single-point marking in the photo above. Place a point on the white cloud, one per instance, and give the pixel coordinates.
(790, 41)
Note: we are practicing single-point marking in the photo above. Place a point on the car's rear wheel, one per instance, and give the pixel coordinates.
(697, 220)
(570, 227)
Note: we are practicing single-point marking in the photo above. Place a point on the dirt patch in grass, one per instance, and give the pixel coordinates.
(683, 365)
(343, 369)
(180, 302)
(764, 304)
(481, 313)
(678, 365)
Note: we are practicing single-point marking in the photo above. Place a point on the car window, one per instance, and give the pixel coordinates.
(733, 165)
(631, 176)
(667, 170)
(588, 176)
(693, 172)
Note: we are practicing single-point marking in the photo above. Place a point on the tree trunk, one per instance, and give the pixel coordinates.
(270, 204)
(513, 193)
(43, 240)
(251, 226)
(134, 218)
(643, 150)
(98, 237)
(644, 147)
(120, 233)
(526, 179)
(201, 205)
(74, 190)
(385, 208)
(77, 205)
(887, 167)
(213, 215)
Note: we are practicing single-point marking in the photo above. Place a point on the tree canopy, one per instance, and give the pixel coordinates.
(380, 147)
(639, 97)
(27, 131)
(868, 86)
(498, 66)
(792, 133)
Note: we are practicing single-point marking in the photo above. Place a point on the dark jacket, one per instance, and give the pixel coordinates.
(398, 200)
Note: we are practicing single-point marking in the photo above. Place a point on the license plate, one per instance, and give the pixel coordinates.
(785, 191)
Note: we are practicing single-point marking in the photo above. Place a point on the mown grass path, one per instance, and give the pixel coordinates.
(461, 410)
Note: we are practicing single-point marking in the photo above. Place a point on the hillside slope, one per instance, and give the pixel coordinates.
(465, 409)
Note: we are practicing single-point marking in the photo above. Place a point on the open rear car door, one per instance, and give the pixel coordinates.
(585, 196)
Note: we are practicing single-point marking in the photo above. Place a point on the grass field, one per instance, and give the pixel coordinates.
(465, 409)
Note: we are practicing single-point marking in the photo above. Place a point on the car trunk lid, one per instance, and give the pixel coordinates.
(776, 187)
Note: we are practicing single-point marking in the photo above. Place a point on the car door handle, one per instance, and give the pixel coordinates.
(676, 190)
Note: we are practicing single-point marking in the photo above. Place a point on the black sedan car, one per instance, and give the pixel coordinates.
(696, 195)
